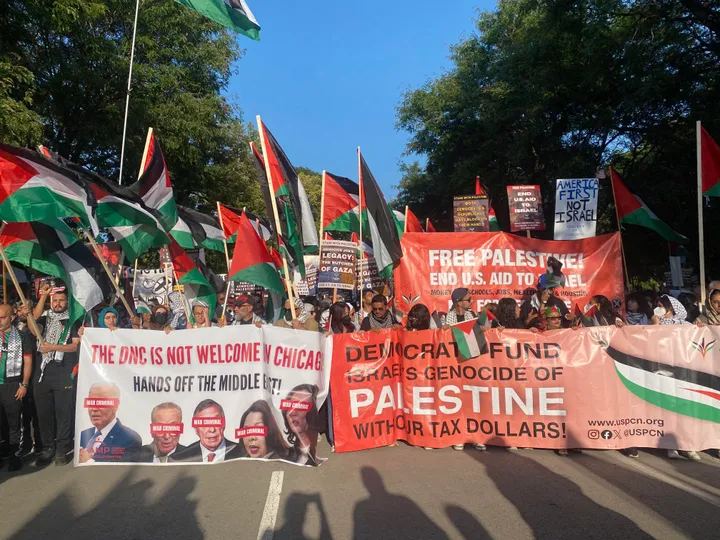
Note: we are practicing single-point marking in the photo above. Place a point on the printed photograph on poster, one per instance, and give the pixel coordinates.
(470, 213)
(525, 206)
(199, 396)
(337, 265)
(576, 208)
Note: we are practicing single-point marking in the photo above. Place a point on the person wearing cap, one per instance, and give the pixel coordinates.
(551, 319)
(303, 320)
(461, 307)
(244, 311)
(532, 310)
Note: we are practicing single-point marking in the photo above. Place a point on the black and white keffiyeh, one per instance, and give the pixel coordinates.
(453, 318)
(54, 327)
(14, 359)
(385, 322)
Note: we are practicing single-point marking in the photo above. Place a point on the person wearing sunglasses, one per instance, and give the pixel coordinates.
(461, 309)
(380, 316)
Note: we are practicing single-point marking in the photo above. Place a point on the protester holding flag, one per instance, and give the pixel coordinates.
(461, 308)
(160, 319)
(54, 381)
(531, 311)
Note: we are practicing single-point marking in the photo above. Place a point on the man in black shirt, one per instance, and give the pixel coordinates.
(31, 440)
(15, 371)
(54, 384)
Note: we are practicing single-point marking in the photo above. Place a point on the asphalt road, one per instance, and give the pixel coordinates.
(401, 492)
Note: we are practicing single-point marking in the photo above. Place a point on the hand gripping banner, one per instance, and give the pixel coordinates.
(199, 396)
(496, 265)
(603, 387)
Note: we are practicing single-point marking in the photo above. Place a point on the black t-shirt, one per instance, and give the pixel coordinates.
(61, 369)
(28, 346)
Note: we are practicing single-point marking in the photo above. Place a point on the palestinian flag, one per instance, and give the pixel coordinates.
(677, 389)
(234, 15)
(412, 223)
(429, 226)
(398, 218)
(55, 251)
(341, 204)
(470, 339)
(154, 186)
(382, 228)
(252, 263)
(195, 284)
(214, 238)
(288, 191)
(134, 225)
(633, 211)
(141, 307)
(262, 180)
(231, 221)
(367, 250)
(710, 157)
(184, 235)
(585, 316)
(486, 318)
(35, 188)
(493, 221)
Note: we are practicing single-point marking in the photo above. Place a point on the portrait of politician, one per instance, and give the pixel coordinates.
(301, 426)
(108, 441)
(164, 444)
(270, 446)
(212, 446)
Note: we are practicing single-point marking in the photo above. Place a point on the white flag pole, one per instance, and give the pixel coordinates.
(127, 96)
(701, 235)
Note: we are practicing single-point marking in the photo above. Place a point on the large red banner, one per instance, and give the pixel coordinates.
(496, 265)
(603, 387)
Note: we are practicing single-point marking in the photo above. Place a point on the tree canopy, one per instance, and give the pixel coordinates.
(545, 90)
(63, 81)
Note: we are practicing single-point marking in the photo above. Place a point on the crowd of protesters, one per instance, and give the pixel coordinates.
(37, 376)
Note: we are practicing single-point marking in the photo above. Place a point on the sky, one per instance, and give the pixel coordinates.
(327, 75)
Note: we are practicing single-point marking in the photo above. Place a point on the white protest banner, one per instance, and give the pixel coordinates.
(576, 208)
(199, 396)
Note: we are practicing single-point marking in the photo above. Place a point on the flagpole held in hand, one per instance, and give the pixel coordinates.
(701, 232)
(288, 280)
(96, 248)
(622, 247)
(6, 264)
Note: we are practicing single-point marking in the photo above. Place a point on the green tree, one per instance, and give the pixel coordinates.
(547, 90)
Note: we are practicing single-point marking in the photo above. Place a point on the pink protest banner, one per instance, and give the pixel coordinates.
(603, 388)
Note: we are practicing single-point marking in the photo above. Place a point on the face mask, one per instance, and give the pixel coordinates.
(159, 318)
(659, 311)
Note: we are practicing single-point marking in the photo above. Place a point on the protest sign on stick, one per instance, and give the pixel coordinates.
(576, 208)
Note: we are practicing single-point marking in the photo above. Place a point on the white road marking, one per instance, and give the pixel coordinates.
(272, 505)
(658, 475)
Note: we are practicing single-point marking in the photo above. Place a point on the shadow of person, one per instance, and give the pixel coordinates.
(466, 524)
(296, 507)
(551, 505)
(384, 515)
(125, 512)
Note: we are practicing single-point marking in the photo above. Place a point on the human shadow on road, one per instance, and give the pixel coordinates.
(385, 515)
(296, 507)
(680, 508)
(126, 512)
(466, 524)
(552, 506)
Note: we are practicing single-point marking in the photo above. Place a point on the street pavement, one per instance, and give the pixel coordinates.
(401, 492)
